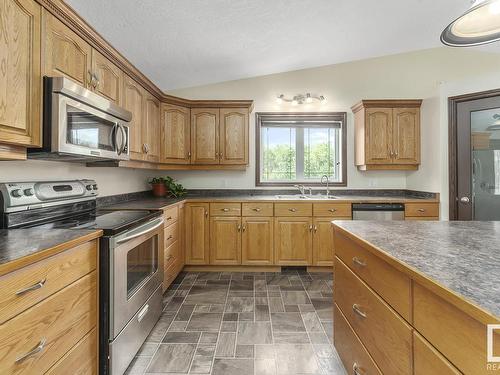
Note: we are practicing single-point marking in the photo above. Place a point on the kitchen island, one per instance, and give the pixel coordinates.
(416, 297)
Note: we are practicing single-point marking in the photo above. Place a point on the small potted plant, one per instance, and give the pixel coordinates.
(159, 186)
(175, 190)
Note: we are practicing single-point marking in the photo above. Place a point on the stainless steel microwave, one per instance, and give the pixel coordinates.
(79, 125)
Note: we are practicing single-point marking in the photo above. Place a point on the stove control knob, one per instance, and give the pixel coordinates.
(88, 187)
(16, 193)
(29, 192)
(94, 186)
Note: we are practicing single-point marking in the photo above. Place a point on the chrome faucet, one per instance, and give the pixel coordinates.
(301, 188)
(327, 184)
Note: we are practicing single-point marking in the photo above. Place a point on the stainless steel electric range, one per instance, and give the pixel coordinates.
(130, 261)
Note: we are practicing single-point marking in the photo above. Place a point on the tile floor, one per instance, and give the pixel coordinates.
(243, 324)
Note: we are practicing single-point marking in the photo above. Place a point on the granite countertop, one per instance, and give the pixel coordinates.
(149, 203)
(460, 256)
(16, 244)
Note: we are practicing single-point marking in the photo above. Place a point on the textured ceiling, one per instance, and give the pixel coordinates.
(183, 43)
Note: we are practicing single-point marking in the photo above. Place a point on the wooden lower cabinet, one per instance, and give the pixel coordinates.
(257, 241)
(428, 361)
(293, 241)
(323, 246)
(197, 234)
(225, 240)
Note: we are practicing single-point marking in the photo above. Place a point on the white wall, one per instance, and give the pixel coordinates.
(419, 74)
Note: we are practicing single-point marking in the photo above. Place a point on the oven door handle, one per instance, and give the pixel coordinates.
(156, 223)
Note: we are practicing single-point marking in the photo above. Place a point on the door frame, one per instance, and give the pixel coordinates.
(453, 103)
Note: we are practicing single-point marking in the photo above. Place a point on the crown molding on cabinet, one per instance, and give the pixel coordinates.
(387, 103)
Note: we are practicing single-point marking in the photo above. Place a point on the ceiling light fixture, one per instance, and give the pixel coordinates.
(301, 99)
(478, 25)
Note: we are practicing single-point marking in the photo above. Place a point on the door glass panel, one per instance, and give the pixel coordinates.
(142, 262)
(485, 139)
(88, 130)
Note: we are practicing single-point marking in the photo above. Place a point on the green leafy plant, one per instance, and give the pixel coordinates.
(174, 189)
(157, 180)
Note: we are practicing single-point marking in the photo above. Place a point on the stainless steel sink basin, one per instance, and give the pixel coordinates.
(305, 197)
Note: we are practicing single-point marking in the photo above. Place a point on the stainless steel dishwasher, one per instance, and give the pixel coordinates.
(378, 211)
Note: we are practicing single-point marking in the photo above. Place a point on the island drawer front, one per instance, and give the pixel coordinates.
(392, 285)
(54, 325)
(171, 234)
(422, 209)
(458, 336)
(351, 350)
(171, 215)
(293, 209)
(225, 209)
(332, 209)
(386, 336)
(171, 254)
(428, 361)
(80, 360)
(26, 287)
(257, 209)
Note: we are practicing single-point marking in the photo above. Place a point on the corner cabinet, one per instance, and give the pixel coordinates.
(175, 132)
(205, 136)
(387, 134)
(20, 79)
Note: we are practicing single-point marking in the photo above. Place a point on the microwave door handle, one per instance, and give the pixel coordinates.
(135, 235)
(112, 136)
(124, 139)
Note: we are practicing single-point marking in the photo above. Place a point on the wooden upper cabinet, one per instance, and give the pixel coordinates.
(108, 80)
(225, 240)
(175, 146)
(387, 134)
(197, 233)
(134, 97)
(406, 135)
(151, 130)
(233, 136)
(205, 136)
(65, 54)
(20, 82)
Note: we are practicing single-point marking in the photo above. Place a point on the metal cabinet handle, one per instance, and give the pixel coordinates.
(142, 313)
(206, 213)
(292, 209)
(358, 310)
(332, 210)
(189, 154)
(256, 209)
(225, 209)
(239, 227)
(315, 228)
(244, 228)
(358, 261)
(310, 228)
(220, 155)
(169, 218)
(356, 370)
(37, 349)
(170, 237)
(90, 80)
(36, 286)
(465, 200)
(421, 210)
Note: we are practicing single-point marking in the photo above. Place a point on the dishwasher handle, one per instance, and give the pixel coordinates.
(378, 207)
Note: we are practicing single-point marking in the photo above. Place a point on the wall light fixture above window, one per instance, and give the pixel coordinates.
(300, 99)
(478, 25)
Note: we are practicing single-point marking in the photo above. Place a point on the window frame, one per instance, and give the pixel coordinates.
(262, 117)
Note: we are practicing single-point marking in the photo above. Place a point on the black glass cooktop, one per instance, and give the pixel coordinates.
(110, 222)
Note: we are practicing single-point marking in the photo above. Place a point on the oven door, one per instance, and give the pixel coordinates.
(80, 129)
(136, 271)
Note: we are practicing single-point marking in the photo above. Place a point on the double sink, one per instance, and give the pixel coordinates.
(305, 197)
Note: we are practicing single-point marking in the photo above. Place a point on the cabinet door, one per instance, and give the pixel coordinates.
(108, 78)
(205, 136)
(225, 240)
(182, 237)
(65, 53)
(197, 233)
(133, 100)
(257, 241)
(323, 246)
(378, 137)
(233, 136)
(293, 241)
(151, 130)
(20, 82)
(175, 135)
(406, 135)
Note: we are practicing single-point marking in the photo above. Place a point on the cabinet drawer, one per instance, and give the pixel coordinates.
(171, 273)
(80, 360)
(421, 209)
(45, 278)
(171, 254)
(392, 285)
(332, 209)
(428, 361)
(171, 215)
(59, 322)
(225, 209)
(351, 351)
(257, 209)
(293, 209)
(459, 337)
(384, 333)
(171, 234)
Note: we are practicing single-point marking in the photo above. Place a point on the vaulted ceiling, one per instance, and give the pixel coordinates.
(183, 43)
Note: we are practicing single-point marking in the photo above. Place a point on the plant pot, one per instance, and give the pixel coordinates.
(159, 190)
